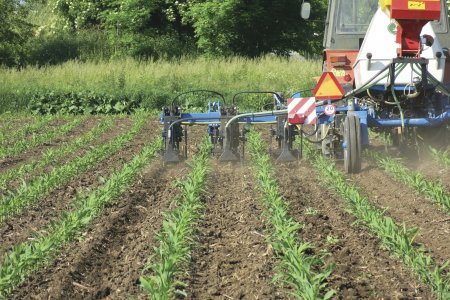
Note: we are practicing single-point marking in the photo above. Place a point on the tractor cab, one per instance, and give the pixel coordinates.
(345, 29)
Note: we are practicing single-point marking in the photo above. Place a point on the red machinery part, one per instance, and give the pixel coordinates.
(411, 16)
(427, 10)
(333, 63)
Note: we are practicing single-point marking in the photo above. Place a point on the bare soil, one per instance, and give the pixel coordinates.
(108, 262)
(233, 258)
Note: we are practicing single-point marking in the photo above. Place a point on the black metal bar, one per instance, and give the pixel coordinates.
(255, 92)
(185, 142)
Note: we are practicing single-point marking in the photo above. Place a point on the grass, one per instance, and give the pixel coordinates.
(158, 82)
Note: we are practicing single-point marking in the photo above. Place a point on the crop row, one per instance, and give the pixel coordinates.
(433, 190)
(399, 239)
(297, 268)
(28, 257)
(175, 237)
(44, 184)
(29, 128)
(51, 155)
(36, 140)
(441, 156)
(13, 121)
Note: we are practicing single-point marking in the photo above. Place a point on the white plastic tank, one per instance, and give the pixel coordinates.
(380, 43)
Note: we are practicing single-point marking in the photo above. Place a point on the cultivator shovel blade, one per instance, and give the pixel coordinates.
(228, 155)
(288, 155)
(171, 156)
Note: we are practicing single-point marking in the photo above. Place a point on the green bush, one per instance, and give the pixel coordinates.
(83, 103)
(55, 49)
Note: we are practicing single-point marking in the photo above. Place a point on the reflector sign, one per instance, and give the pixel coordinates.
(302, 111)
(328, 88)
(330, 110)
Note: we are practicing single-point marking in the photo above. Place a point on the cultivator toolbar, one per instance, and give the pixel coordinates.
(227, 127)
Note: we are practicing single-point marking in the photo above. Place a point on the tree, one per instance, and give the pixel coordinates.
(252, 28)
(14, 32)
(147, 28)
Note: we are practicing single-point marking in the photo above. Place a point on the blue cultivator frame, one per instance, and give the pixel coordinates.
(381, 107)
(223, 123)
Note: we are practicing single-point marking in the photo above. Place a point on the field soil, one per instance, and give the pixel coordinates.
(406, 206)
(231, 257)
(364, 269)
(36, 152)
(49, 208)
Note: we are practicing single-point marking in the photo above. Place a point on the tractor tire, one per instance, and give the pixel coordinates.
(352, 141)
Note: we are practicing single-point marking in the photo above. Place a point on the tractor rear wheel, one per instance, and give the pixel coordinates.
(352, 144)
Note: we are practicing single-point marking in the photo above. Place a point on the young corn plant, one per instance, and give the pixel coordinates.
(398, 239)
(28, 257)
(175, 238)
(28, 129)
(297, 269)
(44, 184)
(11, 123)
(36, 140)
(52, 155)
(434, 190)
(441, 157)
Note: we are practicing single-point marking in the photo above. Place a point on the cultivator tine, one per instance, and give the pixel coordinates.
(287, 153)
(171, 155)
(228, 155)
(230, 144)
(172, 136)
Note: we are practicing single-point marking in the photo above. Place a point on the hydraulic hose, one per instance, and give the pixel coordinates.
(375, 80)
(258, 114)
(433, 79)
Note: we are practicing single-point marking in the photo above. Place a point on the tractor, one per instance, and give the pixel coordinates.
(385, 67)
(390, 58)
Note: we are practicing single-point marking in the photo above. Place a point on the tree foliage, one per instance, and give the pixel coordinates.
(252, 28)
(14, 32)
(160, 28)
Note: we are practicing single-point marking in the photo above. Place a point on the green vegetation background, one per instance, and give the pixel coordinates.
(157, 82)
(153, 49)
(42, 32)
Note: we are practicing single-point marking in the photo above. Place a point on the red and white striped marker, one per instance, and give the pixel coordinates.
(302, 111)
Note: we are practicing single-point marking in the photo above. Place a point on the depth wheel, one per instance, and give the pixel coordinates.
(352, 144)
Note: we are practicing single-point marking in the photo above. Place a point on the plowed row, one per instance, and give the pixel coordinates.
(231, 256)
